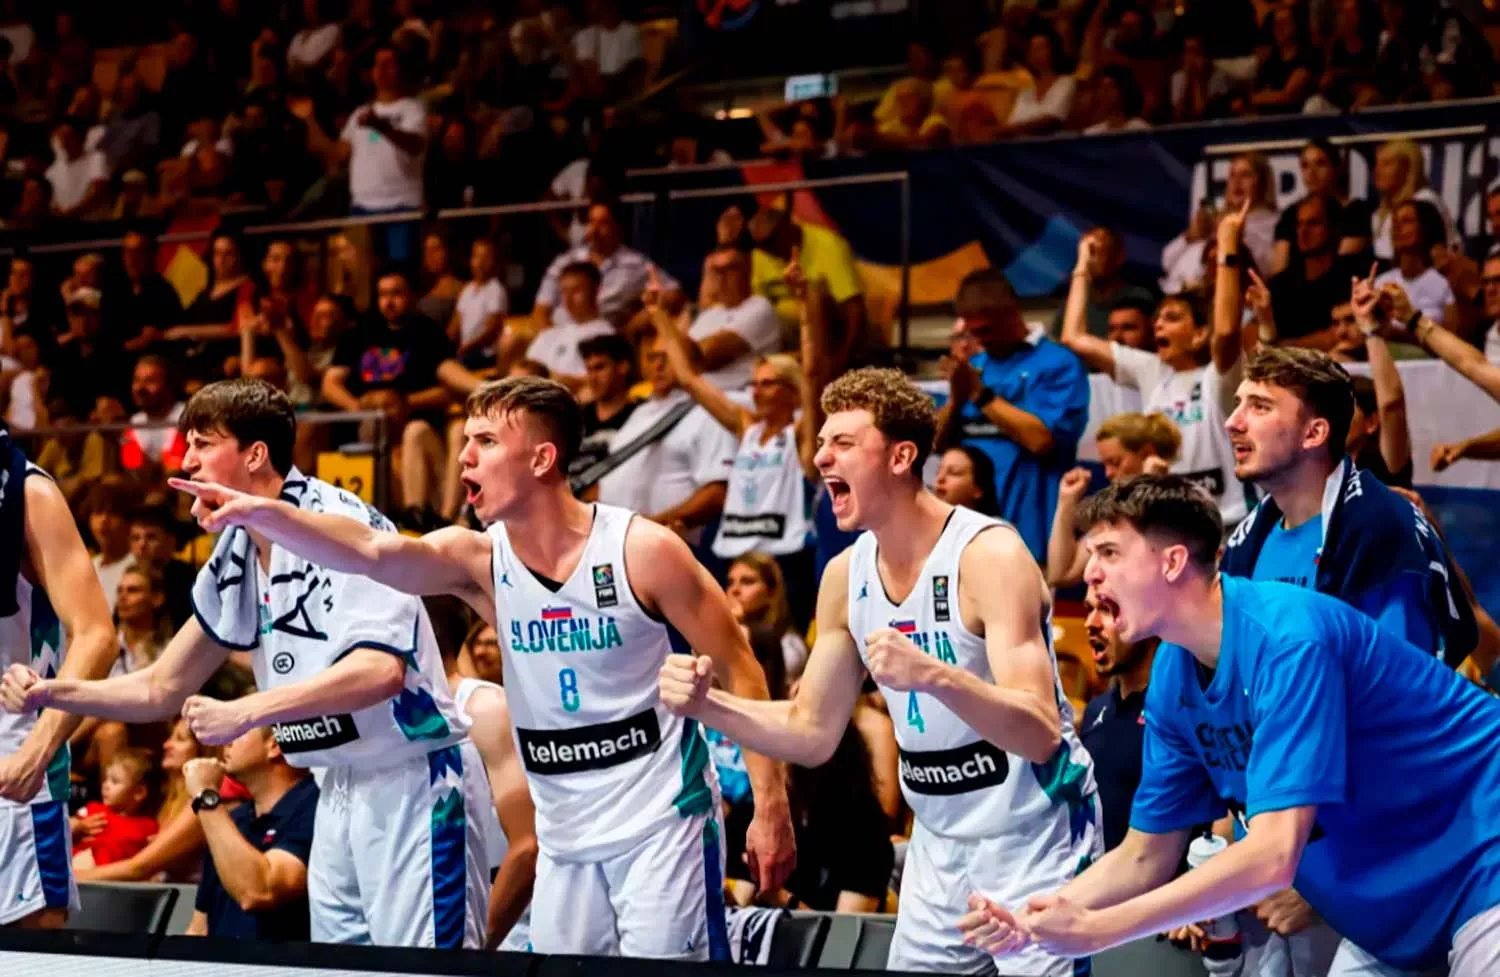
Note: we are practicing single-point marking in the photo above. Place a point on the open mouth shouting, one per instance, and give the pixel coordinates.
(839, 494)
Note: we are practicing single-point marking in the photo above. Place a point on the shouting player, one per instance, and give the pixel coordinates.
(350, 680)
(588, 601)
(41, 554)
(949, 614)
(1360, 769)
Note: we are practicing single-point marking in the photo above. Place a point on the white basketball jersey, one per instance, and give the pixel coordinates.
(958, 784)
(766, 505)
(33, 637)
(495, 843)
(607, 763)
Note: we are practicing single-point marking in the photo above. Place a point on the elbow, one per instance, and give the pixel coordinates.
(390, 677)
(262, 899)
(522, 854)
(1047, 740)
(1041, 442)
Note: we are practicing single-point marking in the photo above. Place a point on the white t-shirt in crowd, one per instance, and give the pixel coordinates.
(1182, 260)
(476, 304)
(1429, 292)
(753, 320)
(312, 45)
(1056, 104)
(1491, 344)
(697, 451)
(569, 184)
(71, 180)
(556, 347)
(1380, 225)
(382, 177)
(21, 414)
(1218, 87)
(611, 50)
(109, 575)
(154, 440)
(1197, 401)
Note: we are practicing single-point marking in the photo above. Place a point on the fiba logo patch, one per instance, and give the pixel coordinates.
(283, 663)
(940, 597)
(605, 594)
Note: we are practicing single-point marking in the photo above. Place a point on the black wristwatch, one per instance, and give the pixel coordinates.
(983, 398)
(208, 800)
(1230, 260)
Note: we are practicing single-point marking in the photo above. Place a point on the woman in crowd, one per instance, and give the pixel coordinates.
(1325, 172)
(1416, 231)
(966, 476)
(1045, 106)
(1289, 69)
(1129, 444)
(1348, 80)
(480, 656)
(757, 596)
(210, 334)
(1250, 178)
(1400, 175)
(480, 309)
(440, 287)
(1117, 102)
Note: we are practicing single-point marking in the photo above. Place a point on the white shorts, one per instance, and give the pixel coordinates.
(941, 873)
(36, 860)
(397, 859)
(1266, 954)
(662, 899)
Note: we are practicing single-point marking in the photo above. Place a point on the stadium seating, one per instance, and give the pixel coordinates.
(124, 908)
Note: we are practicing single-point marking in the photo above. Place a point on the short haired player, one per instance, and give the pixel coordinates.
(1360, 769)
(948, 612)
(42, 554)
(589, 601)
(350, 680)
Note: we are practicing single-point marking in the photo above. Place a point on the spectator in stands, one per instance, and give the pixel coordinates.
(106, 510)
(728, 337)
(284, 280)
(1317, 276)
(680, 476)
(1022, 400)
(153, 545)
(312, 47)
(115, 827)
(440, 286)
(1348, 81)
(607, 53)
(757, 598)
(1288, 70)
(1129, 445)
(1113, 726)
(175, 854)
(384, 143)
(966, 477)
(30, 382)
(1400, 175)
(1324, 524)
(579, 286)
(85, 363)
(1045, 106)
(132, 135)
(254, 884)
(1399, 54)
(144, 625)
(1250, 179)
(1199, 86)
(480, 310)
(1379, 441)
(1416, 229)
(1129, 322)
(914, 122)
(822, 256)
(139, 305)
(79, 177)
(1190, 378)
(20, 305)
(608, 363)
(1325, 173)
(209, 332)
(622, 272)
(1108, 290)
(390, 364)
(33, 208)
(150, 448)
(1116, 103)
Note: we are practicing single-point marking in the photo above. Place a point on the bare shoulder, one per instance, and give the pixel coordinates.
(487, 707)
(833, 593)
(44, 504)
(655, 555)
(464, 546)
(997, 570)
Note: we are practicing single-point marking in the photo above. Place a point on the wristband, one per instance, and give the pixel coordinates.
(1230, 260)
(1417, 331)
(982, 400)
(1414, 321)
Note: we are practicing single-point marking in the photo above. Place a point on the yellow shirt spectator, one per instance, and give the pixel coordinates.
(824, 255)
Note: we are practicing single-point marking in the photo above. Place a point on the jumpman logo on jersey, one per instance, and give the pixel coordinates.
(864, 590)
(505, 579)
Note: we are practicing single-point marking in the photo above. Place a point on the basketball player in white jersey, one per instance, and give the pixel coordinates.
(40, 548)
(949, 614)
(510, 829)
(588, 601)
(351, 681)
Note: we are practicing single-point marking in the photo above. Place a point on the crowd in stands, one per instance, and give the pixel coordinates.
(701, 409)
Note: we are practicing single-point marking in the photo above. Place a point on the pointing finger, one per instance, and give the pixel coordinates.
(196, 489)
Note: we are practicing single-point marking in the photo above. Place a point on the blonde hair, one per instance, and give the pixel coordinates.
(1135, 431)
(777, 616)
(786, 367)
(1265, 197)
(136, 761)
(1416, 172)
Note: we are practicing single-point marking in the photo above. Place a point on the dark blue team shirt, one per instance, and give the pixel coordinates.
(1314, 704)
(287, 826)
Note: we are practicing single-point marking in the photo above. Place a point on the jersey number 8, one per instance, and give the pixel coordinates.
(567, 684)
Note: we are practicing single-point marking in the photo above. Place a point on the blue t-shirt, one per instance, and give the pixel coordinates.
(1048, 381)
(1291, 555)
(1313, 703)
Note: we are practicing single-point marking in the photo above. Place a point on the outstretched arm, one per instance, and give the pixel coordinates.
(1096, 353)
(452, 560)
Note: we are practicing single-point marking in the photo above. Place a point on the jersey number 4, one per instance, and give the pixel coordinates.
(567, 685)
(914, 713)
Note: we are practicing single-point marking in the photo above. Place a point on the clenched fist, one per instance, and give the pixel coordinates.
(21, 690)
(684, 681)
(895, 662)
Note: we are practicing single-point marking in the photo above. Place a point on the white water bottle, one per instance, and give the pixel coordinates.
(1221, 950)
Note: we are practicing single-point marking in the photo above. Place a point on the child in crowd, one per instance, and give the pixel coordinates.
(113, 829)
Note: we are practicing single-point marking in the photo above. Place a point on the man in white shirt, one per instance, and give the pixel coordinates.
(729, 335)
(622, 272)
(680, 480)
(608, 50)
(79, 176)
(556, 347)
(481, 305)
